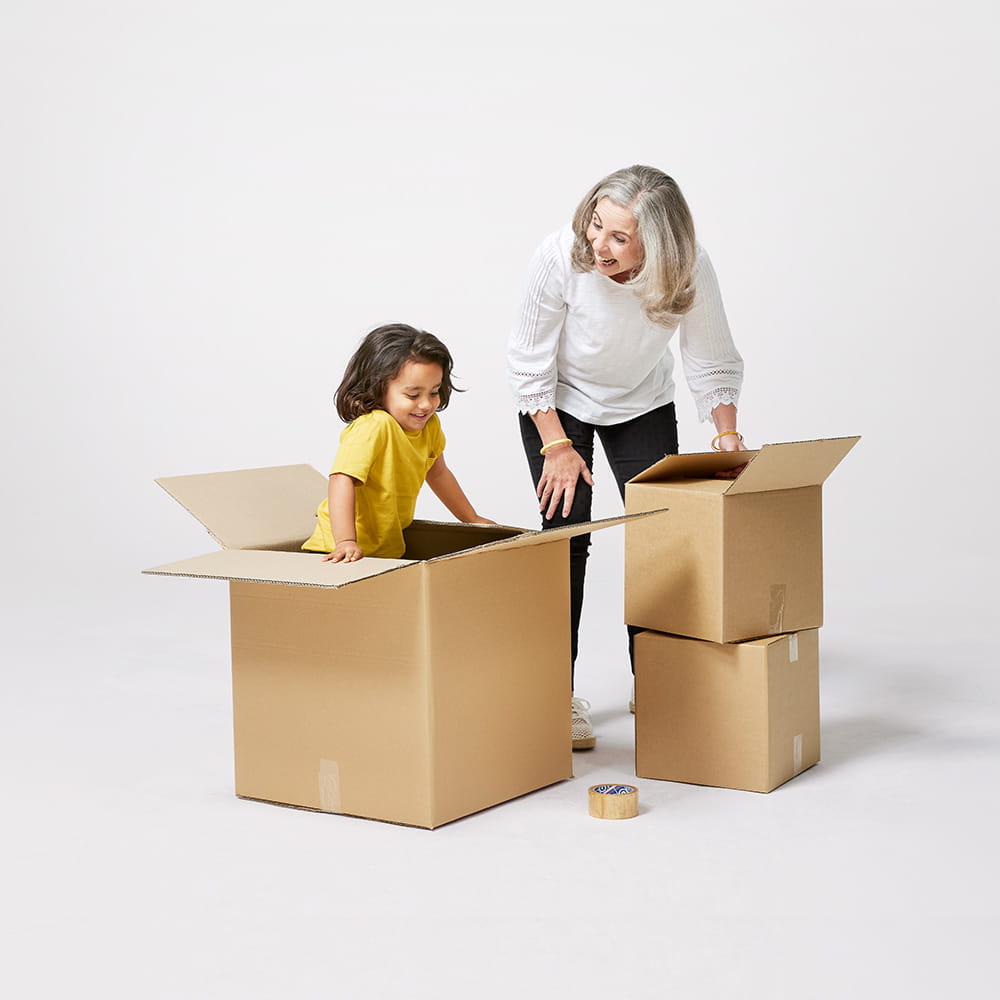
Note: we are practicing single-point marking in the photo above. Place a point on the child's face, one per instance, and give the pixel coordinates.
(414, 394)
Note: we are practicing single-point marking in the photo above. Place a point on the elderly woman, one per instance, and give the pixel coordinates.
(590, 353)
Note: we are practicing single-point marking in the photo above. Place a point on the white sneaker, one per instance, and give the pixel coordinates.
(631, 699)
(583, 731)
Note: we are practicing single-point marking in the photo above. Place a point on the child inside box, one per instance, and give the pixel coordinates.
(394, 386)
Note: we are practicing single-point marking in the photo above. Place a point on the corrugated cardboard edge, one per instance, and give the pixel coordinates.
(304, 569)
(293, 569)
(792, 465)
(696, 465)
(773, 466)
(545, 536)
(349, 815)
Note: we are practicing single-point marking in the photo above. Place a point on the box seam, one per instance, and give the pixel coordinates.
(426, 610)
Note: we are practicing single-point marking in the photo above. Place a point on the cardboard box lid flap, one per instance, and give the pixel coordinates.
(297, 569)
(549, 535)
(782, 466)
(428, 539)
(253, 508)
(700, 465)
(791, 465)
(307, 569)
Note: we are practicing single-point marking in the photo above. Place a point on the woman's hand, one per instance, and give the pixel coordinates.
(728, 438)
(562, 470)
(346, 551)
(731, 442)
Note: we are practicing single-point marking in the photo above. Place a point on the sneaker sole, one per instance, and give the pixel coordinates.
(588, 743)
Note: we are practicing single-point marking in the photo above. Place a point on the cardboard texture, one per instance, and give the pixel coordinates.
(737, 558)
(382, 688)
(739, 715)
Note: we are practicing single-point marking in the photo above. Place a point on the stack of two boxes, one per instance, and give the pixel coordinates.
(729, 586)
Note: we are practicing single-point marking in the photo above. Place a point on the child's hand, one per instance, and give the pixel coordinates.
(348, 551)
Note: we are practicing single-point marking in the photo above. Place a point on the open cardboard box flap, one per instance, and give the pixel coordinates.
(297, 569)
(262, 516)
(786, 466)
(272, 508)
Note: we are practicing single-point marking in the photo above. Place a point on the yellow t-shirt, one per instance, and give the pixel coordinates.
(390, 465)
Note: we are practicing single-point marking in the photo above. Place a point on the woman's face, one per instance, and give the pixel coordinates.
(614, 237)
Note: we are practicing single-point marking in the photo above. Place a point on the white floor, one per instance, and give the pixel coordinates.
(135, 871)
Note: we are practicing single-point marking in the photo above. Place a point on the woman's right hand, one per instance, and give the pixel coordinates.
(562, 470)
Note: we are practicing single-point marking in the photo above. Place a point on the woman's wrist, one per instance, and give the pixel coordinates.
(719, 439)
(555, 445)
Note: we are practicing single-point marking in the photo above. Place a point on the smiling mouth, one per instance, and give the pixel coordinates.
(607, 261)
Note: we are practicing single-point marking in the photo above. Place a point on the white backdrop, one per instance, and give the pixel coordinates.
(206, 205)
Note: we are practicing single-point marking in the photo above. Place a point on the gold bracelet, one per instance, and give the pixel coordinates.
(722, 434)
(552, 444)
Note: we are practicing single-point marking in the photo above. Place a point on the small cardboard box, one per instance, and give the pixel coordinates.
(736, 715)
(412, 690)
(737, 558)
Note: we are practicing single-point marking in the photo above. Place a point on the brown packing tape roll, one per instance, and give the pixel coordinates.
(614, 801)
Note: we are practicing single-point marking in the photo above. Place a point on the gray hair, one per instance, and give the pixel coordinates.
(665, 279)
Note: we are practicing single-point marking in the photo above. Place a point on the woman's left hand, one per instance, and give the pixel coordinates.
(728, 437)
(731, 442)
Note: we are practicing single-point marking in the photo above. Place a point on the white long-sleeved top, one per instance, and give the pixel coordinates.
(583, 344)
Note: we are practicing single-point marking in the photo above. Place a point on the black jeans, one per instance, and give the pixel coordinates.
(630, 447)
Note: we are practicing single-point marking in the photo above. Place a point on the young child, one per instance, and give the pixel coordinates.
(394, 385)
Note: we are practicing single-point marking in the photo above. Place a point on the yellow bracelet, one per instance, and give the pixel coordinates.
(552, 444)
(722, 434)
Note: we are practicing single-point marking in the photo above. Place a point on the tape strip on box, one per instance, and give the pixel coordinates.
(777, 615)
(329, 786)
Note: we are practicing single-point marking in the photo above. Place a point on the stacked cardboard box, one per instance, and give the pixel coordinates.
(375, 688)
(730, 587)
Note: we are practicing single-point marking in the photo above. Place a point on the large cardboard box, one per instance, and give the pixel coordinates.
(737, 558)
(412, 690)
(740, 715)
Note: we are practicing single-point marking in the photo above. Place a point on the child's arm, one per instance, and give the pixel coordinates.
(340, 499)
(445, 486)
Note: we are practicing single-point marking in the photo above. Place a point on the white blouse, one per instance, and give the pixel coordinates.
(583, 344)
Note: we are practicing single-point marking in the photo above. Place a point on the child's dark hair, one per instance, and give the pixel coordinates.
(377, 362)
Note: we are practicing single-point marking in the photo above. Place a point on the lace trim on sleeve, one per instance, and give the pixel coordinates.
(714, 398)
(532, 402)
(711, 374)
(543, 399)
